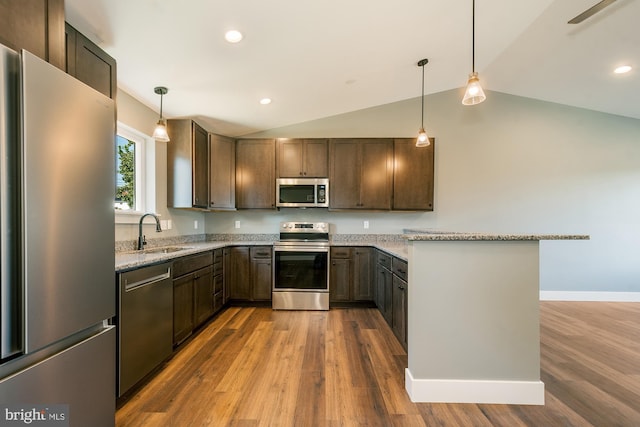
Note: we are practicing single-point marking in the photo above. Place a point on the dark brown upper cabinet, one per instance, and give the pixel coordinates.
(255, 174)
(360, 173)
(34, 25)
(187, 165)
(90, 64)
(222, 170)
(413, 175)
(302, 158)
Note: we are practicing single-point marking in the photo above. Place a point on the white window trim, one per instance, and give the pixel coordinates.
(145, 172)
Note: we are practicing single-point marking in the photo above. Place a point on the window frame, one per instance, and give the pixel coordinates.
(145, 174)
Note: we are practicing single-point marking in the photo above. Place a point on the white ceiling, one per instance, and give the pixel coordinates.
(322, 58)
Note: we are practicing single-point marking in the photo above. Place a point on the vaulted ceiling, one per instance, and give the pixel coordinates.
(322, 58)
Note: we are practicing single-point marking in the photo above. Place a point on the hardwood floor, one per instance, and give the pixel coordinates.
(258, 367)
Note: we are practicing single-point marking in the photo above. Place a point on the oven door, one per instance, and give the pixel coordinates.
(300, 277)
(300, 269)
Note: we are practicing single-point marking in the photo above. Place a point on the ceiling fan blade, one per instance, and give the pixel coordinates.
(591, 11)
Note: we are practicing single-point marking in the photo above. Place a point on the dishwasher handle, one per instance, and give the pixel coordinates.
(128, 287)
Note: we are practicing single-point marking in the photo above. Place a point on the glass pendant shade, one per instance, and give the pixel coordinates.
(160, 132)
(423, 138)
(474, 93)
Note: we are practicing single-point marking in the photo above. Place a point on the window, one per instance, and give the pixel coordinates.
(135, 181)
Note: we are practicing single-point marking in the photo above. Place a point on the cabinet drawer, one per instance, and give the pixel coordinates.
(384, 260)
(191, 263)
(399, 268)
(260, 252)
(217, 255)
(218, 283)
(217, 268)
(340, 252)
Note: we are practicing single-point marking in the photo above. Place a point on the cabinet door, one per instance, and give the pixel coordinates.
(255, 174)
(344, 174)
(226, 275)
(90, 64)
(203, 295)
(363, 284)
(200, 167)
(218, 293)
(384, 297)
(182, 308)
(340, 280)
(261, 274)
(240, 284)
(34, 25)
(413, 175)
(376, 174)
(290, 158)
(399, 310)
(222, 169)
(315, 158)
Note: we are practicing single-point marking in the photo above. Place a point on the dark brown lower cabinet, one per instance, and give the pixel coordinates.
(202, 295)
(192, 294)
(351, 277)
(392, 293)
(182, 308)
(218, 280)
(384, 284)
(240, 269)
(399, 310)
(261, 273)
(251, 273)
(340, 274)
(363, 278)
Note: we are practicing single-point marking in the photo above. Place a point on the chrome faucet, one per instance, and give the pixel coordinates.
(141, 238)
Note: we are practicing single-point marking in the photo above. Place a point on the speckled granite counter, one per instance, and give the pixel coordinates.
(417, 235)
(127, 258)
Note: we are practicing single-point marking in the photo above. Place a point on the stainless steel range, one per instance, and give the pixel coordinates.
(301, 267)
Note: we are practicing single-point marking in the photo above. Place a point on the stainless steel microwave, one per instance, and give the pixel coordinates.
(302, 192)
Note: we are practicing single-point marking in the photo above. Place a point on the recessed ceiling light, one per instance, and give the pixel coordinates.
(622, 69)
(233, 36)
(265, 101)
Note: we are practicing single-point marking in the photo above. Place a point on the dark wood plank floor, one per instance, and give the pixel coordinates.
(258, 367)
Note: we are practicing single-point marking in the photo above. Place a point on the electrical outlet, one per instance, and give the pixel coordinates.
(237, 225)
(366, 224)
(195, 224)
(169, 224)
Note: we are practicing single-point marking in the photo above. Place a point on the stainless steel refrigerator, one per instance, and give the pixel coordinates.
(57, 178)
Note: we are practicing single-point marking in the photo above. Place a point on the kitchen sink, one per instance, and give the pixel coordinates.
(165, 250)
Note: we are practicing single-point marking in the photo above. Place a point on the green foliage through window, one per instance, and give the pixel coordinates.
(125, 174)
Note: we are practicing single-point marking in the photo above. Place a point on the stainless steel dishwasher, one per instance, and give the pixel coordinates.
(145, 322)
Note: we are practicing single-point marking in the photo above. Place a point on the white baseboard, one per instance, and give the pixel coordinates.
(590, 296)
(474, 391)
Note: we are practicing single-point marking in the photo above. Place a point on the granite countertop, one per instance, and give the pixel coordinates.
(439, 235)
(130, 259)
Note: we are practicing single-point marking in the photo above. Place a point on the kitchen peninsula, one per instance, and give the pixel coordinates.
(473, 317)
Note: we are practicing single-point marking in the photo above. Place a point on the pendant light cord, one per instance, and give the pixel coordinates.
(422, 122)
(473, 36)
(161, 96)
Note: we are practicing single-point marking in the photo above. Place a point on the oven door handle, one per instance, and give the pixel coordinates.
(300, 249)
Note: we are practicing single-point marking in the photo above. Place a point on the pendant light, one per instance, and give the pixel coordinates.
(423, 138)
(474, 93)
(160, 133)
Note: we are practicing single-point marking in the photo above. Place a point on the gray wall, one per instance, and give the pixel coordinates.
(513, 165)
